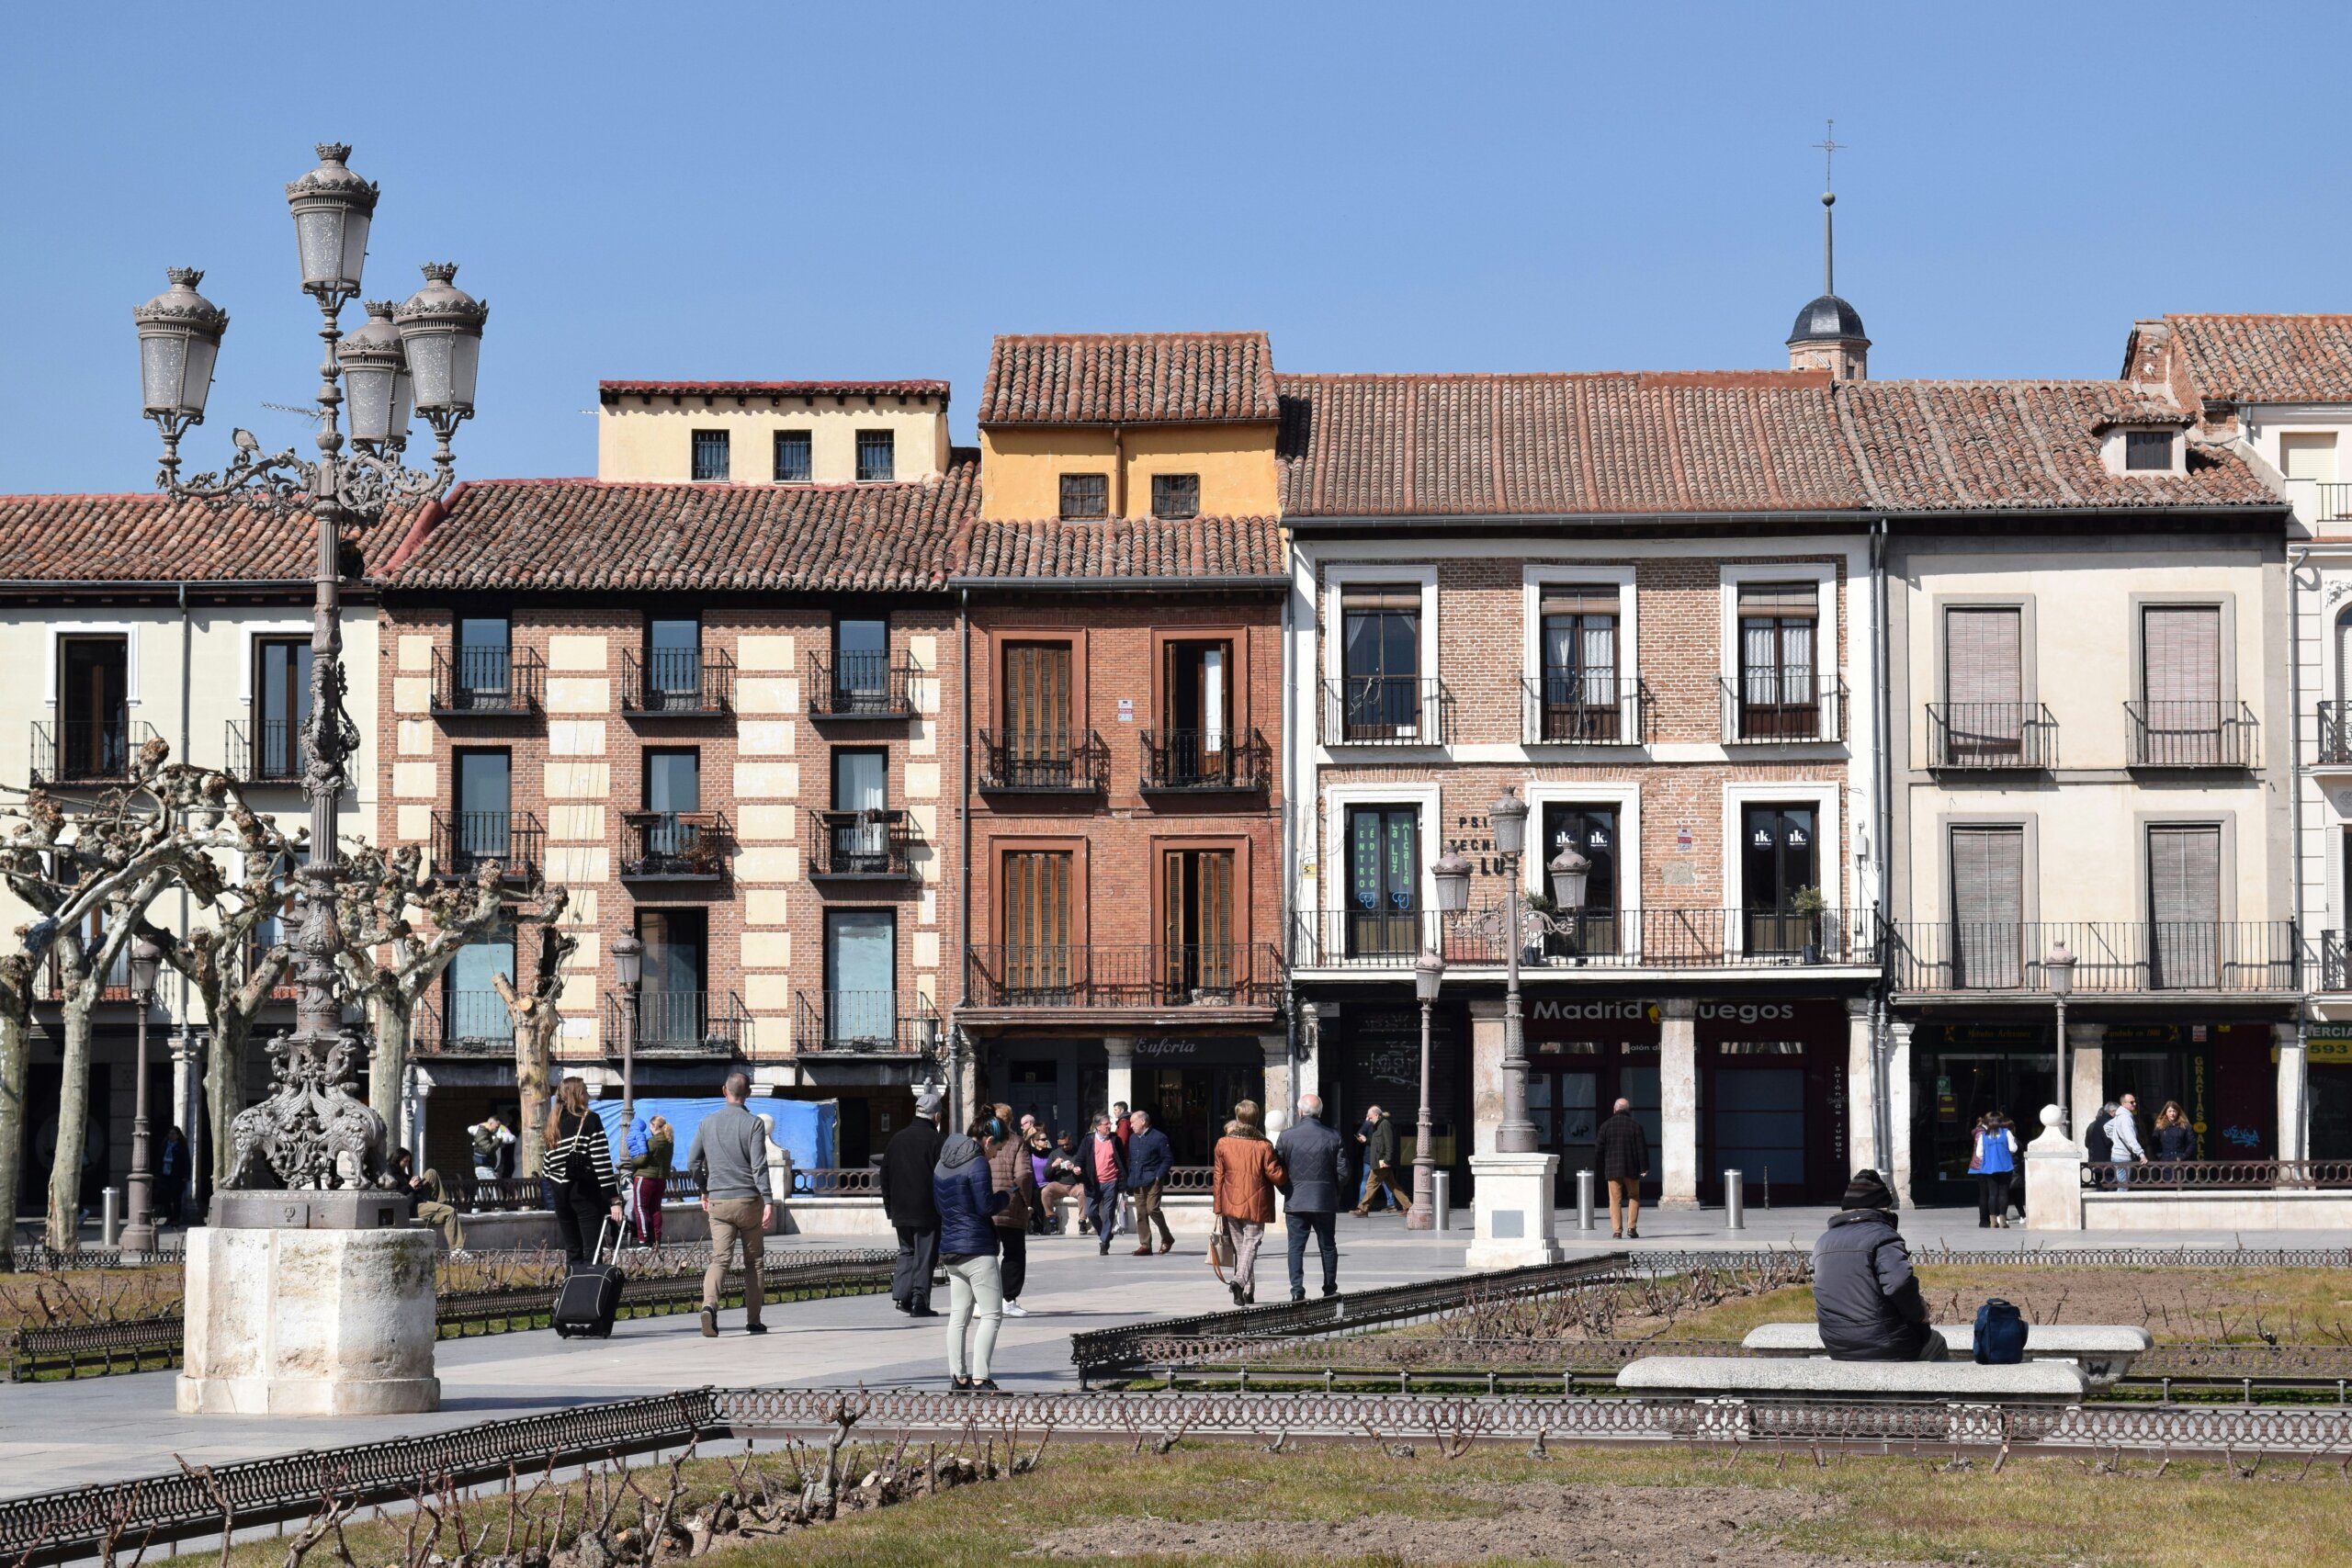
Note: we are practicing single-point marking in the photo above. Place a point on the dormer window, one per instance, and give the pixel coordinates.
(2148, 451)
(1085, 497)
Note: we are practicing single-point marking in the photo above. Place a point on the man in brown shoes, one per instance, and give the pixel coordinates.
(1149, 1159)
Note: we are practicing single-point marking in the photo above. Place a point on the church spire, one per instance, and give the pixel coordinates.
(1829, 334)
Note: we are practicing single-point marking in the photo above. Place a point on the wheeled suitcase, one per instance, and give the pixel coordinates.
(591, 1296)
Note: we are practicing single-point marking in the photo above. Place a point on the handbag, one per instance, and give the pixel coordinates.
(1976, 1154)
(1220, 1252)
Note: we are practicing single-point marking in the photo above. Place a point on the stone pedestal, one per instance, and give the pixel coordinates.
(308, 1313)
(1513, 1209)
(2294, 1092)
(1677, 1090)
(2053, 1179)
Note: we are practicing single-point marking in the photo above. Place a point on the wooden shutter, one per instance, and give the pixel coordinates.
(1571, 599)
(1784, 600)
(2182, 647)
(2184, 902)
(1037, 918)
(1982, 657)
(1988, 905)
(1037, 698)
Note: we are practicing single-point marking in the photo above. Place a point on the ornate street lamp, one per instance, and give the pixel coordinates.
(437, 336)
(1517, 1134)
(139, 1235)
(628, 968)
(1429, 973)
(2059, 970)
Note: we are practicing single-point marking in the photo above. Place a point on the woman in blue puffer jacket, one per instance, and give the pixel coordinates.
(967, 1198)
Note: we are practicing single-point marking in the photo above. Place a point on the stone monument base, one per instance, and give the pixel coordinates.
(1511, 1198)
(291, 1311)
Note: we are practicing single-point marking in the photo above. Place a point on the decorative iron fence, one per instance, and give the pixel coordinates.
(875, 845)
(861, 685)
(87, 750)
(680, 1023)
(463, 841)
(2191, 735)
(1597, 939)
(487, 681)
(1199, 975)
(1991, 735)
(272, 751)
(1206, 760)
(1388, 710)
(1571, 707)
(2110, 956)
(681, 682)
(844, 1023)
(1054, 762)
(1782, 705)
(673, 846)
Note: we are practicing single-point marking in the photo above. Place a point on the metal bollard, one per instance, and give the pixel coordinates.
(110, 1216)
(1583, 1200)
(1442, 1199)
(1735, 1201)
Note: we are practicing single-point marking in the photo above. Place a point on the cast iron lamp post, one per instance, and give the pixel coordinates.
(2059, 970)
(1429, 973)
(139, 1235)
(421, 355)
(628, 968)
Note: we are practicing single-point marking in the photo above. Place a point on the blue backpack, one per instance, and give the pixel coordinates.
(2000, 1334)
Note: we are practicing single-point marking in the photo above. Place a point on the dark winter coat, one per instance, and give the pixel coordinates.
(1085, 1158)
(1620, 1150)
(1315, 1158)
(1381, 1147)
(2097, 1146)
(1864, 1295)
(1012, 1174)
(906, 1164)
(1150, 1157)
(2175, 1143)
(967, 1200)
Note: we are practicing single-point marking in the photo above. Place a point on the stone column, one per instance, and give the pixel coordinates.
(2086, 1074)
(1861, 1089)
(1485, 1071)
(1897, 1169)
(1275, 1049)
(1678, 1091)
(2294, 1092)
(1119, 1051)
(2053, 1179)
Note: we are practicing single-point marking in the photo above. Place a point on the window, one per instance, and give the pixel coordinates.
(1038, 752)
(1195, 714)
(2181, 674)
(1197, 954)
(1592, 831)
(673, 662)
(2147, 451)
(1580, 664)
(1380, 642)
(1085, 497)
(862, 977)
(861, 833)
(281, 706)
(876, 455)
(861, 665)
(485, 808)
(674, 995)
(1988, 905)
(1383, 879)
(1777, 864)
(1036, 910)
(2185, 904)
(1984, 686)
(1176, 496)
(795, 464)
(93, 707)
(673, 790)
(485, 661)
(1777, 700)
(710, 455)
(472, 1007)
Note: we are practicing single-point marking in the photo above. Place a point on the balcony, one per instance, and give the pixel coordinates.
(278, 757)
(2335, 960)
(1205, 761)
(1764, 706)
(2190, 735)
(1564, 708)
(1059, 763)
(475, 1024)
(487, 682)
(860, 686)
(1152, 977)
(2335, 736)
(861, 1024)
(465, 840)
(2112, 957)
(862, 846)
(673, 847)
(677, 683)
(1991, 737)
(680, 1023)
(87, 750)
(1601, 940)
(1386, 710)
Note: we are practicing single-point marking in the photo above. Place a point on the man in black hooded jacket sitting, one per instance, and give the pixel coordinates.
(1864, 1295)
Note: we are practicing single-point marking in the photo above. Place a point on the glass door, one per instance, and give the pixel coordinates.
(861, 837)
(672, 1001)
(1384, 868)
(282, 706)
(485, 801)
(860, 978)
(1592, 831)
(1778, 866)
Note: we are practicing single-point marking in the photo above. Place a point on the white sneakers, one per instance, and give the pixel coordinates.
(1014, 1309)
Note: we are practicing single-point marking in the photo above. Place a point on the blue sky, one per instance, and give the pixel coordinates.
(773, 192)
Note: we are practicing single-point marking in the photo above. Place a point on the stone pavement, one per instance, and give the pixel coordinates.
(56, 1435)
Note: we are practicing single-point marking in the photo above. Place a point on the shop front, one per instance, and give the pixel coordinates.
(1372, 1055)
(1960, 1071)
(2329, 1053)
(1189, 1083)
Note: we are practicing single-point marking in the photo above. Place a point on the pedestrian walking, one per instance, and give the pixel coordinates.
(906, 1202)
(649, 1173)
(1621, 1151)
(578, 1172)
(1102, 1167)
(1242, 1193)
(2124, 1139)
(2174, 1139)
(1993, 1156)
(966, 1195)
(490, 1139)
(1865, 1298)
(1012, 1175)
(1314, 1168)
(1379, 1136)
(171, 1176)
(731, 1161)
(1149, 1159)
(1063, 1177)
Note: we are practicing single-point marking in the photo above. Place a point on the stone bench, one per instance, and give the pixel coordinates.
(1817, 1377)
(2104, 1351)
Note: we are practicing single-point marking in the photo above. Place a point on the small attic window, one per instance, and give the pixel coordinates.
(2147, 451)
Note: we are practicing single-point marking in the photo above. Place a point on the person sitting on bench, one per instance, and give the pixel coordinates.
(1864, 1295)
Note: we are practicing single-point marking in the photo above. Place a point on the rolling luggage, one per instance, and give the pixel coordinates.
(591, 1296)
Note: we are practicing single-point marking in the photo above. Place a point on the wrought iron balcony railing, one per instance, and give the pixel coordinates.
(2335, 736)
(677, 683)
(872, 846)
(2110, 956)
(277, 758)
(2169, 734)
(464, 841)
(861, 685)
(673, 846)
(475, 1024)
(487, 681)
(1594, 939)
(1205, 761)
(2335, 962)
(861, 1024)
(87, 750)
(1152, 976)
(1782, 705)
(1569, 707)
(1060, 762)
(1386, 710)
(1972, 735)
(680, 1024)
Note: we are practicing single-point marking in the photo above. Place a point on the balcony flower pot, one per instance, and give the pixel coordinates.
(1213, 996)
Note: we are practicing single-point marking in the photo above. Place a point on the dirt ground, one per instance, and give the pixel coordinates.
(1664, 1527)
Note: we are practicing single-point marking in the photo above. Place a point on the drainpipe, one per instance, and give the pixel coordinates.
(963, 842)
(2296, 557)
(1118, 470)
(1289, 862)
(1882, 1132)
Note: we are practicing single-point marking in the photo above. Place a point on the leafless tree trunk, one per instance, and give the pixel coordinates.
(16, 1056)
(536, 1022)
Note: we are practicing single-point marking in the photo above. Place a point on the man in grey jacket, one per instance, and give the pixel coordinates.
(1315, 1161)
(2124, 1139)
(1865, 1297)
(730, 1160)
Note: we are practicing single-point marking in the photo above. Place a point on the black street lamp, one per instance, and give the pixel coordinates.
(2059, 969)
(628, 968)
(139, 1235)
(1429, 973)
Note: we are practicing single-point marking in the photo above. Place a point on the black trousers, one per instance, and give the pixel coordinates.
(581, 1215)
(1992, 1196)
(1012, 1261)
(918, 1254)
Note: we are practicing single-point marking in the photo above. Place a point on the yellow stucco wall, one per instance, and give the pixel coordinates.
(1021, 466)
(652, 437)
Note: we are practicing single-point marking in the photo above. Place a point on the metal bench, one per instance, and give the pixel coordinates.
(1817, 1377)
(2104, 1351)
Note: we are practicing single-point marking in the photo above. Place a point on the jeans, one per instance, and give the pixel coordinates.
(2124, 1170)
(1104, 1205)
(1247, 1237)
(1324, 1230)
(1013, 1259)
(975, 1288)
(917, 1252)
(735, 1221)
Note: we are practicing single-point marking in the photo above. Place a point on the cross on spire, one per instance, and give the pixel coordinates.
(1829, 147)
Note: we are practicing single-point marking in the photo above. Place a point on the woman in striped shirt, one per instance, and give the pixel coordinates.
(580, 1171)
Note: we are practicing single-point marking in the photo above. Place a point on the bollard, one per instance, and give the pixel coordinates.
(1584, 1200)
(110, 1216)
(1735, 1201)
(1442, 1199)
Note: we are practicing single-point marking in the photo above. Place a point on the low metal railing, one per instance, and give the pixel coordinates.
(677, 683)
(475, 1024)
(1991, 735)
(2110, 956)
(487, 681)
(875, 845)
(87, 750)
(463, 841)
(1597, 939)
(1388, 710)
(1060, 762)
(1206, 760)
(271, 750)
(2191, 735)
(861, 685)
(2335, 962)
(1570, 707)
(680, 1023)
(2218, 1175)
(1157, 976)
(2335, 736)
(1782, 705)
(673, 846)
(862, 1023)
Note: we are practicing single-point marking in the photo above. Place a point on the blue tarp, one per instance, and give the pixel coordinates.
(802, 1128)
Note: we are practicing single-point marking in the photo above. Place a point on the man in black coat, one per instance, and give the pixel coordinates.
(1378, 1137)
(1103, 1163)
(1864, 1295)
(1315, 1159)
(1620, 1153)
(907, 1200)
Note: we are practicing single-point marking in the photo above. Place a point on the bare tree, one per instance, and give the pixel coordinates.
(537, 1021)
(16, 1057)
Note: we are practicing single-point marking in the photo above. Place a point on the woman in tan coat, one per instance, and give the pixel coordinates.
(1243, 1194)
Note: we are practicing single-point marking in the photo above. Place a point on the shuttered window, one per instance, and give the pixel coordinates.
(2185, 902)
(1037, 708)
(1196, 914)
(1037, 920)
(1983, 683)
(1777, 624)
(2181, 660)
(1988, 905)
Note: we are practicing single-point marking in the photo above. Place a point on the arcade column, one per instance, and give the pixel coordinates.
(1677, 1093)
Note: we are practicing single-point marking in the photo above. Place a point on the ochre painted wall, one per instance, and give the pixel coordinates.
(1021, 466)
(652, 438)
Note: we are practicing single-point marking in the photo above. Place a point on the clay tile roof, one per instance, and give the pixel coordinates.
(1130, 379)
(1245, 550)
(2131, 407)
(608, 390)
(1561, 445)
(150, 537)
(2007, 446)
(580, 534)
(2268, 359)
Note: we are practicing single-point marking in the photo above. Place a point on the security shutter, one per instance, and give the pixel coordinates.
(2184, 902)
(1988, 905)
(2181, 649)
(1984, 683)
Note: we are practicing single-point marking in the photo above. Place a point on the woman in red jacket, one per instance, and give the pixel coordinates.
(1242, 1190)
